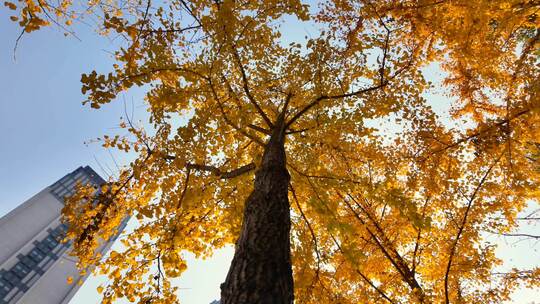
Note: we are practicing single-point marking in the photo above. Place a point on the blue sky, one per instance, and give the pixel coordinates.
(43, 123)
(44, 127)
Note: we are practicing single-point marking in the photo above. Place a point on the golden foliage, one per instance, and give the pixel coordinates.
(375, 218)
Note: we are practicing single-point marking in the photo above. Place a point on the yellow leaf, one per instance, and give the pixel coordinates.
(10, 5)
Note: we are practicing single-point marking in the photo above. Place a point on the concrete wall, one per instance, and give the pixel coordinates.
(42, 279)
(52, 287)
(26, 222)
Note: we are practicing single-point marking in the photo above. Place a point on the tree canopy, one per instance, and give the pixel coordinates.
(375, 217)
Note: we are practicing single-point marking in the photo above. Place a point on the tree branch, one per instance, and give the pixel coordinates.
(177, 30)
(382, 81)
(417, 243)
(480, 132)
(186, 183)
(326, 97)
(364, 277)
(522, 235)
(228, 121)
(386, 246)
(257, 128)
(292, 131)
(247, 90)
(313, 237)
(222, 174)
(461, 228)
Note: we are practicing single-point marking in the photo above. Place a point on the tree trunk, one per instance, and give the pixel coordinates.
(261, 270)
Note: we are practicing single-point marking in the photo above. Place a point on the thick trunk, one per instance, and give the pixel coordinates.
(261, 268)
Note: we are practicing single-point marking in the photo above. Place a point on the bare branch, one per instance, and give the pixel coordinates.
(191, 13)
(522, 235)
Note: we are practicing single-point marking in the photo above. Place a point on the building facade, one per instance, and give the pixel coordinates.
(34, 264)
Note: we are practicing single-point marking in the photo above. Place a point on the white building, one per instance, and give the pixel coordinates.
(34, 265)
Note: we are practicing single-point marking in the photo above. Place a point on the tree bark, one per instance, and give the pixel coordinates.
(261, 270)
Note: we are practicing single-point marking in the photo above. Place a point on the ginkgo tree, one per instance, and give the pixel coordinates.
(278, 148)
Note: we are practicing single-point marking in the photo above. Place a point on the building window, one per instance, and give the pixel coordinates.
(37, 255)
(28, 262)
(63, 228)
(44, 248)
(11, 277)
(21, 270)
(5, 287)
(50, 242)
(57, 234)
